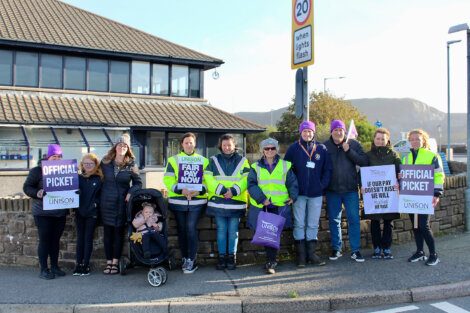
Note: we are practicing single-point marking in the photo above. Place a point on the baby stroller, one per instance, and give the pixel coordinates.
(157, 275)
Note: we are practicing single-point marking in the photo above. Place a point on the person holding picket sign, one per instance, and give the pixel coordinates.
(381, 153)
(187, 197)
(273, 187)
(50, 223)
(226, 179)
(422, 155)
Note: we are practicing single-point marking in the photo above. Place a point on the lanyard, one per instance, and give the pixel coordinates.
(305, 150)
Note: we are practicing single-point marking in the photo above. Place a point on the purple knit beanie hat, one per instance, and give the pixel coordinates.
(53, 149)
(337, 124)
(306, 125)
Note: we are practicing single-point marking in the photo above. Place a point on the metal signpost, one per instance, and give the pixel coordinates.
(302, 52)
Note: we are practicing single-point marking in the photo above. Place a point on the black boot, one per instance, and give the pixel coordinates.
(231, 262)
(221, 262)
(312, 257)
(300, 247)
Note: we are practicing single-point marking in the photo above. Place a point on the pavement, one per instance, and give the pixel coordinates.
(338, 285)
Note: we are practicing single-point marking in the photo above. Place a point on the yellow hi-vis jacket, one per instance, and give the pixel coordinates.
(176, 200)
(218, 182)
(273, 184)
(427, 157)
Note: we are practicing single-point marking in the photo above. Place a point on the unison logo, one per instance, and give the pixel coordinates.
(269, 226)
(60, 200)
(411, 204)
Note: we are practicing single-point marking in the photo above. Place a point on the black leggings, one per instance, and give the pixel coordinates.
(113, 239)
(423, 233)
(50, 230)
(85, 231)
(381, 239)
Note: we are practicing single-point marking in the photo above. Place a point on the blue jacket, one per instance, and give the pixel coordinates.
(215, 205)
(90, 188)
(312, 181)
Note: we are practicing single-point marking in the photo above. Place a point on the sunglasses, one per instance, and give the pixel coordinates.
(269, 148)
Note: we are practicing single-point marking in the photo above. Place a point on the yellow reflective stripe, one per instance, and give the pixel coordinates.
(237, 189)
(169, 174)
(239, 166)
(219, 189)
(227, 206)
(276, 193)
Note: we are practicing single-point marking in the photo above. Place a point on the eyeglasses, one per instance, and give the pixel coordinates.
(269, 148)
(89, 164)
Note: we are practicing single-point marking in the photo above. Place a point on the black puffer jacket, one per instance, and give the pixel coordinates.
(31, 187)
(114, 191)
(90, 188)
(345, 176)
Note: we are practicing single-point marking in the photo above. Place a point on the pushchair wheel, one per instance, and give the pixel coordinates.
(155, 277)
(122, 266)
(163, 273)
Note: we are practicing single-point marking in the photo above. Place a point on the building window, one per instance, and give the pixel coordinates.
(6, 67)
(160, 79)
(26, 69)
(179, 81)
(51, 71)
(119, 77)
(97, 75)
(154, 148)
(13, 148)
(194, 83)
(74, 73)
(140, 79)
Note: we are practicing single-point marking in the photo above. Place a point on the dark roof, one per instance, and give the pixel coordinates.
(54, 23)
(89, 110)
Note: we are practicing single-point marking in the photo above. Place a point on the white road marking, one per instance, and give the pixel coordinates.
(449, 308)
(399, 310)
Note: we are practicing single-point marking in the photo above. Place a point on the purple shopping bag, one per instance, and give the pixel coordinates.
(268, 230)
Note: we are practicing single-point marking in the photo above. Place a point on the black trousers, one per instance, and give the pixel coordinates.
(113, 240)
(50, 229)
(188, 236)
(381, 239)
(423, 233)
(85, 232)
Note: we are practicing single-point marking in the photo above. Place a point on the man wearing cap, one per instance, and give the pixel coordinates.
(311, 164)
(345, 155)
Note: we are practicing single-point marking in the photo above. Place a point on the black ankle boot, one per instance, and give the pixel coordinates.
(231, 262)
(300, 248)
(312, 257)
(221, 262)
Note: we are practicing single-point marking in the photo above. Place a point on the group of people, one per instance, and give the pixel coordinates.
(293, 187)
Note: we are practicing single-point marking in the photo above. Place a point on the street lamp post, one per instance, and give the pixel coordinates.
(454, 29)
(450, 42)
(326, 78)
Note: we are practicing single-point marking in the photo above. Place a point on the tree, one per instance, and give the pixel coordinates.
(324, 108)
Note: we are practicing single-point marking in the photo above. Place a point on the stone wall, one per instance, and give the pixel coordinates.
(18, 234)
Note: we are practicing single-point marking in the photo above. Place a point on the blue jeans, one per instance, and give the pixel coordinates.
(188, 236)
(227, 229)
(334, 203)
(306, 217)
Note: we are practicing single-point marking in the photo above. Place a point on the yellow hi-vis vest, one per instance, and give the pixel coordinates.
(170, 179)
(237, 180)
(425, 157)
(273, 184)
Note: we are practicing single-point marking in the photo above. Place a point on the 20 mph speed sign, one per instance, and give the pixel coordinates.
(302, 33)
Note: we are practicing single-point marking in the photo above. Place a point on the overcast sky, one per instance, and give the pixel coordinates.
(384, 48)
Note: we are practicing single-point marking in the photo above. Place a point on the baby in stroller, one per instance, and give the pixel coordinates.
(148, 223)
